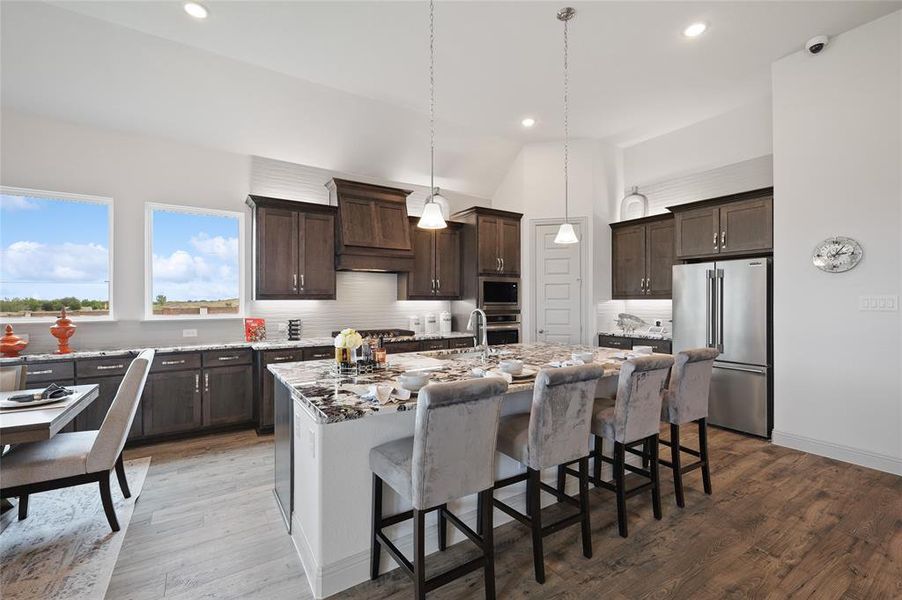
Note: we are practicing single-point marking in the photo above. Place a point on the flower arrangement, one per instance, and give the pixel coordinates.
(346, 342)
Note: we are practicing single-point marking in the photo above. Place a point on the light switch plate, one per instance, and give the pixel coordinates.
(883, 303)
(189, 332)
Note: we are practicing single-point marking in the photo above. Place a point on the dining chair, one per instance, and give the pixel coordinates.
(70, 459)
(451, 455)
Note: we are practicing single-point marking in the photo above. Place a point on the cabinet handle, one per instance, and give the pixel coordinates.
(438, 284)
(228, 358)
(108, 367)
(166, 363)
(280, 358)
(197, 382)
(642, 285)
(294, 285)
(723, 239)
(502, 265)
(648, 285)
(44, 372)
(302, 281)
(498, 263)
(715, 240)
(206, 382)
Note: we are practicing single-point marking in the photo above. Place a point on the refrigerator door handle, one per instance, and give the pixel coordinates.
(719, 310)
(757, 370)
(711, 322)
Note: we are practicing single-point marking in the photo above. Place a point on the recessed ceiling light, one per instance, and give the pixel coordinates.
(528, 122)
(198, 11)
(695, 30)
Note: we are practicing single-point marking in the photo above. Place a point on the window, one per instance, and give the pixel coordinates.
(54, 252)
(196, 262)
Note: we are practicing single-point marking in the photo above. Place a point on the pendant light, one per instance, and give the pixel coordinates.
(566, 234)
(432, 217)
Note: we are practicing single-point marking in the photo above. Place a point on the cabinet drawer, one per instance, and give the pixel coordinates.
(319, 353)
(434, 345)
(221, 358)
(282, 356)
(175, 362)
(610, 341)
(398, 347)
(462, 342)
(102, 367)
(50, 372)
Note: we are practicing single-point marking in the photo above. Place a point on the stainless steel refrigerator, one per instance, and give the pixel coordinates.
(727, 305)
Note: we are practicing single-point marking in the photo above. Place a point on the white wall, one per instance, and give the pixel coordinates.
(837, 163)
(52, 155)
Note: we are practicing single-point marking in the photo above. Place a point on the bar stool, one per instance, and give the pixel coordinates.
(686, 401)
(629, 420)
(451, 455)
(555, 431)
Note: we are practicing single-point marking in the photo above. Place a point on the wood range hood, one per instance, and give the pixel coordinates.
(372, 231)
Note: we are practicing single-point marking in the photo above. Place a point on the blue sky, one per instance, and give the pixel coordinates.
(55, 248)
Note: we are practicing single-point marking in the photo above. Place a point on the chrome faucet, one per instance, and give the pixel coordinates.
(474, 323)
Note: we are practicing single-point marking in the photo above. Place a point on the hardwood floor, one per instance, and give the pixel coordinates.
(780, 524)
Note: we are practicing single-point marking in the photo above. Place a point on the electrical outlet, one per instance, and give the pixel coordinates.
(189, 332)
(884, 303)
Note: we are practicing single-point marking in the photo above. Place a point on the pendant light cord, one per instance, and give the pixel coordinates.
(431, 100)
(566, 124)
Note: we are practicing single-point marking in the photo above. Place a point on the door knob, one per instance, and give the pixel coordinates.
(541, 331)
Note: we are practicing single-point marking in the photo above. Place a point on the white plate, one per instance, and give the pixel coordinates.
(10, 405)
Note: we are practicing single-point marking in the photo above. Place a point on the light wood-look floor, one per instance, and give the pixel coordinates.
(780, 524)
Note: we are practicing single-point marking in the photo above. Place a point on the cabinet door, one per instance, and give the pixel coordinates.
(421, 280)
(398, 347)
(391, 220)
(447, 263)
(358, 222)
(172, 402)
(488, 244)
(93, 415)
(277, 252)
(697, 232)
(267, 389)
(317, 255)
(228, 395)
(659, 259)
(628, 261)
(509, 232)
(747, 226)
(612, 341)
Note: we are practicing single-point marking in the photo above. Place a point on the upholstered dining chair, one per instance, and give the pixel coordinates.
(686, 401)
(70, 459)
(554, 432)
(451, 455)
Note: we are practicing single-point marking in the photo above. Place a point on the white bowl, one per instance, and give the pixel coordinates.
(414, 380)
(643, 349)
(586, 357)
(511, 366)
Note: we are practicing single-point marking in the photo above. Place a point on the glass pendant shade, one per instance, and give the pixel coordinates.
(432, 217)
(566, 235)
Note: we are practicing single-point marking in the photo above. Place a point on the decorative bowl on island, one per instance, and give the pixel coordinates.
(511, 366)
(414, 380)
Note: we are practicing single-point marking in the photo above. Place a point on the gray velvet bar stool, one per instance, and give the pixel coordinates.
(627, 421)
(686, 401)
(451, 455)
(556, 431)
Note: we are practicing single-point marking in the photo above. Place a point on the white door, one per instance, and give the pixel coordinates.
(558, 287)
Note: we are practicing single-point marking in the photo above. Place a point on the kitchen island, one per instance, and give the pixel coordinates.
(325, 430)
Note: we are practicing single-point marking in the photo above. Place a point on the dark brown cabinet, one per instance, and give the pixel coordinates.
(172, 402)
(436, 264)
(91, 418)
(267, 381)
(627, 343)
(732, 225)
(642, 254)
(498, 240)
(294, 250)
(228, 395)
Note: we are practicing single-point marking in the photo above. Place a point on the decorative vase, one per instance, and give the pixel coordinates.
(11, 344)
(63, 330)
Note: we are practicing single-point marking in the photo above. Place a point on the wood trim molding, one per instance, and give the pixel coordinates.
(857, 456)
(749, 195)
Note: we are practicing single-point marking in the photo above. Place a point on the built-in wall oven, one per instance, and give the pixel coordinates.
(499, 294)
(503, 328)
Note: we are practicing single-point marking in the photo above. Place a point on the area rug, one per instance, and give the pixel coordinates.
(65, 548)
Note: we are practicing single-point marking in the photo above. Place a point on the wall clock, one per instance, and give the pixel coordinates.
(837, 254)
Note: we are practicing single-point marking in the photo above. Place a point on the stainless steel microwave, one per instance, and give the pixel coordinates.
(499, 293)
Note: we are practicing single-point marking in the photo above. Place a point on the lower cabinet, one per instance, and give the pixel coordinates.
(399, 347)
(228, 395)
(628, 343)
(172, 402)
(91, 418)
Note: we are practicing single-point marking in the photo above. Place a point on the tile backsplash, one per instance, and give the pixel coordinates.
(648, 310)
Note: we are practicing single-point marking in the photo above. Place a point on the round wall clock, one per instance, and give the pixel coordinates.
(837, 254)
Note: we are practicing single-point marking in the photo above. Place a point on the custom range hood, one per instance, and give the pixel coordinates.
(372, 232)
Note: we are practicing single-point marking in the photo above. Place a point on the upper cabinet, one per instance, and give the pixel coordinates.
(642, 257)
(436, 267)
(373, 230)
(497, 240)
(294, 249)
(733, 225)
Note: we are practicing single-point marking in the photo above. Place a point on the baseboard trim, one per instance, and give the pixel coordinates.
(857, 456)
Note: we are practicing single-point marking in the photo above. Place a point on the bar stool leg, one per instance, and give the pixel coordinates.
(675, 461)
(535, 514)
(481, 499)
(442, 523)
(655, 477)
(620, 483)
(419, 554)
(23, 507)
(703, 451)
(584, 506)
(646, 453)
(376, 547)
(597, 450)
(488, 541)
(529, 491)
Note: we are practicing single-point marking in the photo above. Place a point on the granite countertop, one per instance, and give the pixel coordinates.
(332, 398)
(265, 345)
(638, 334)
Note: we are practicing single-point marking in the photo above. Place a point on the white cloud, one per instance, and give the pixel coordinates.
(13, 203)
(220, 247)
(34, 261)
(184, 276)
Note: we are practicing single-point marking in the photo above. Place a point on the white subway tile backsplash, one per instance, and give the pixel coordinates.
(648, 310)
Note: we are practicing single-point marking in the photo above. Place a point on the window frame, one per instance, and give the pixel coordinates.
(109, 202)
(149, 207)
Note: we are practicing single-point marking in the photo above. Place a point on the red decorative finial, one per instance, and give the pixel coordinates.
(63, 330)
(11, 344)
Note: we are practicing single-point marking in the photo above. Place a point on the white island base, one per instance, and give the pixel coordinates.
(331, 520)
